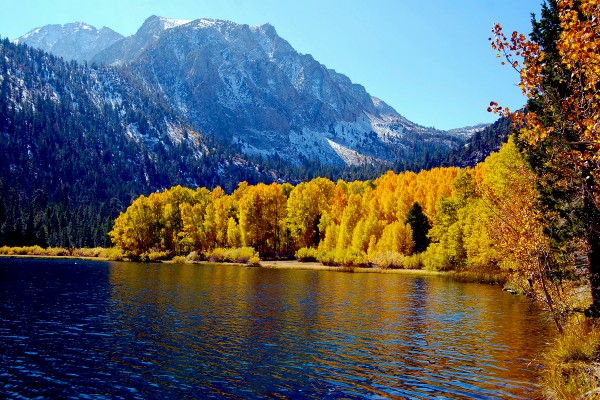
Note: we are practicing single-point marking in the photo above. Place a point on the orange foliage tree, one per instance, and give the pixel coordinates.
(559, 69)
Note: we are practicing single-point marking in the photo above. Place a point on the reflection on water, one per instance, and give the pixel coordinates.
(119, 330)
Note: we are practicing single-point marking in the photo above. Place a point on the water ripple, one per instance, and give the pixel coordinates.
(134, 331)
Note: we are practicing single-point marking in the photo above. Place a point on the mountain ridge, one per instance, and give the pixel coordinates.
(248, 85)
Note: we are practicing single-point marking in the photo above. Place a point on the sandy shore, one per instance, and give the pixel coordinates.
(294, 264)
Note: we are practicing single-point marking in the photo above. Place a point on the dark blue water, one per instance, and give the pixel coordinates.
(83, 329)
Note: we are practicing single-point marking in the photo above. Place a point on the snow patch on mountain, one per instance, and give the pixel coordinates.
(313, 145)
(205, 23)
(468, 131)
(349, 156)
(170, 23)
(75, 41)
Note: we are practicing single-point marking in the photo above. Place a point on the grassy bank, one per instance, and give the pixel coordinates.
(100, 253)
(572, 365)
(484, 277)
(242, 255)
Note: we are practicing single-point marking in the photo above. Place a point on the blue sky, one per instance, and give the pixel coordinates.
(430, 60)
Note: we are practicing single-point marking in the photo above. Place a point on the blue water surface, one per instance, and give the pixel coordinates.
(88, 329)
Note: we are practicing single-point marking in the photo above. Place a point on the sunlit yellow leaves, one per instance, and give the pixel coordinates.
(262, 216)
(306, 205)
(508, 189)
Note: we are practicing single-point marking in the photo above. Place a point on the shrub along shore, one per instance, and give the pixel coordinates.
(244, 256)
(99, 253)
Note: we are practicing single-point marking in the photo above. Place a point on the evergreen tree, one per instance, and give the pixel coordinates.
(420, 227)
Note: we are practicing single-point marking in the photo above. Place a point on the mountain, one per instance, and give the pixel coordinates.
(196, 103)
(132, 47)
(76, 41)
(248, 86)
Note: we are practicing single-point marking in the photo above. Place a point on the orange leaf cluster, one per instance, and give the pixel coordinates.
(576, 116)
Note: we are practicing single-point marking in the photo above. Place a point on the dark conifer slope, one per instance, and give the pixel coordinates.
(78, 143)
(478, 146)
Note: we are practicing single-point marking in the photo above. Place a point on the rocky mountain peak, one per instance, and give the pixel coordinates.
(154, 26)
(129, 48)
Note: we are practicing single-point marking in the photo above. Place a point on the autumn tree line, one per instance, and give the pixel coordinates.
(532, 209)
(470, 219)
(360, 217)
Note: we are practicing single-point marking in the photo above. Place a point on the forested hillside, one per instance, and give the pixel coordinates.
(480, 145)
(79, 142)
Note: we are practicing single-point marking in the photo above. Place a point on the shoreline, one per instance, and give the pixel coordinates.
(89, 258)
(317, 266)
(289, 264)
(265, 264)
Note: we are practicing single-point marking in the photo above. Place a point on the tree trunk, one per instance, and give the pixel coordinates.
(592, 219)
(594, 269)
(542, 265)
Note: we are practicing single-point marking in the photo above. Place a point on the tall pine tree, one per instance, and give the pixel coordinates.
(420, 227)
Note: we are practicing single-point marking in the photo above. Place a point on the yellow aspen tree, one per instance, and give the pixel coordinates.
(385, 192)
(137, 230)
(331, 238)
(251, 217)
(276, 207)
(350, 218)
(303, 215)
(262, 218)
(209, 226)
(234, 235)
(481, 249)
(396, 238)
(192, 236)
(339, 201)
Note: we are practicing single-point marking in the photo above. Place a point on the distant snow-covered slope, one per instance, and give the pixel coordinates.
(249, 85)
(76, 41)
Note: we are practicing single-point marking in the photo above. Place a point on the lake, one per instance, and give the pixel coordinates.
(89, 329)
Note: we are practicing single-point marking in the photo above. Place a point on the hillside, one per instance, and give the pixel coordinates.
(79, 142)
